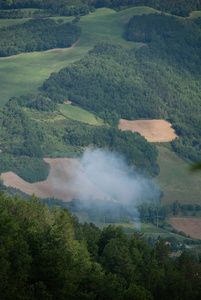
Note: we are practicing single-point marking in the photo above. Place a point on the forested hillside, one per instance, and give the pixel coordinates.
(48, 254)
(146, 83)
(37, 35)
(31, 128)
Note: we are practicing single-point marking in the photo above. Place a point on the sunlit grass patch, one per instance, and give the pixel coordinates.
(79, 114)
(176, 180)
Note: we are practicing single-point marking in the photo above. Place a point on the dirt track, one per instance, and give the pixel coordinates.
(65, 181)
(152, 130)
(190, 226)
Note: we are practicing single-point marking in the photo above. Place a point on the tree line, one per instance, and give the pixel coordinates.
(37, 35)
(70, 7)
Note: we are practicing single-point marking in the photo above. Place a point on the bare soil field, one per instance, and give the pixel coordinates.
(66, 181)
(190, 226)
(152, 130)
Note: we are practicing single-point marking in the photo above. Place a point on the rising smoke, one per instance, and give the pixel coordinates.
(123, 187)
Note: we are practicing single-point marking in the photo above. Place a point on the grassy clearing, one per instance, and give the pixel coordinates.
(175, 179)
(11, 22)
(79, 114)
(195, 14)
(25, 73)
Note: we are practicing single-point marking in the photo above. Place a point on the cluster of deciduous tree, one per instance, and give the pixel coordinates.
(48, 254)
(20, 134)
(24, 13)
(31, 169)
(108, 82)
(38, 102)
(37, 35)
(175, 40)
(133, 146)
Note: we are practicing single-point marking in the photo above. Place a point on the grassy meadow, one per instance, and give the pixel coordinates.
(25, 73)
(79, 114)
(176, 180)
(195, 14)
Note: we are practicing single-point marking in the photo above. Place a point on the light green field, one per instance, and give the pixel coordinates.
(176, 180)
(79, 114)
(195, 14)
(25, 73)
(11, 22)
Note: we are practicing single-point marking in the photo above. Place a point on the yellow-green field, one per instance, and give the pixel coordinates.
(195, 14)
(25, 73)
(176, 180)
(79, 114)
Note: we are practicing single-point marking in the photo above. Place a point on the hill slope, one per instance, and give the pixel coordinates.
(104, 24)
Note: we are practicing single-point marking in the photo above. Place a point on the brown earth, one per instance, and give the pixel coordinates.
(152, 130)
(66, 181)
(190, 226)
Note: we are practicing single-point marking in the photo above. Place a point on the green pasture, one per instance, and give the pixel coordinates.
(195, 14)
(11, 22)
(176, 180)
(79, 114)
(25, 73)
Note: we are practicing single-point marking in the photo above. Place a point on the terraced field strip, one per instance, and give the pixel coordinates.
(79, 114)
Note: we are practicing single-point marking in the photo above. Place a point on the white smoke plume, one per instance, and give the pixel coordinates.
(110, 173)
(104, 181)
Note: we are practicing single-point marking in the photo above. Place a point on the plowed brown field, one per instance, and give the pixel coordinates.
(66, 181)
(190, 226)
(152, 130)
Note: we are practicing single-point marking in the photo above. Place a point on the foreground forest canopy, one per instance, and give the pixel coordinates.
(48, 254)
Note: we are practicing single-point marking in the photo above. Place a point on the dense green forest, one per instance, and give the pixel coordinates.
(48, 254)
(37, 35)
(71, 7)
